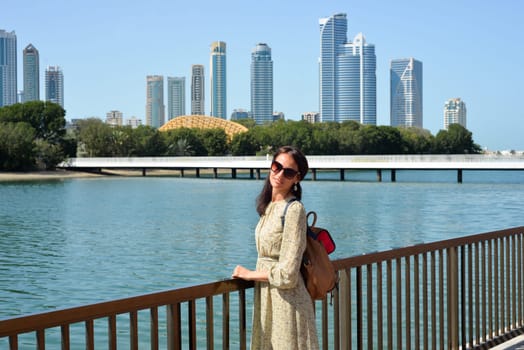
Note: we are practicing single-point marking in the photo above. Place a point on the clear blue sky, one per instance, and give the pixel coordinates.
(469, 49)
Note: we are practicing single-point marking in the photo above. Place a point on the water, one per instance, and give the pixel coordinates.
(77, 241)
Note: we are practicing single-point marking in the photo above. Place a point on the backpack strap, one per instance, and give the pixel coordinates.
(283, 217)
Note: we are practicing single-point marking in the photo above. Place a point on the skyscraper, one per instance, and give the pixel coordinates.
(218, 80)
(261, 84)
(54, 85)
(115, 118)
(31, 74)
(197, 90)
(454, 112)
(8, 87)
(155, 108)
(406, 93)
(348, 83)
(176, 97)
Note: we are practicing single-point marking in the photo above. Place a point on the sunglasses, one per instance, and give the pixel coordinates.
(289, 173)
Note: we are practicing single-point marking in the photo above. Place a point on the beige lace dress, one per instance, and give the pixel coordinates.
(283, 316)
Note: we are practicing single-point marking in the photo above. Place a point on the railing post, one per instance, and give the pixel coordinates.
(452, 312)
(345, 309)
(174, 338)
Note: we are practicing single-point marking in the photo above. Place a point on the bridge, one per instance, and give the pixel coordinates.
(317, 164)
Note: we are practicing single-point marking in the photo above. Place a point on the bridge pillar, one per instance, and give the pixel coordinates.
(143, 171)
(215, 173)
(258, 174)
(314, 174)
(393, 175)
(197, 172)
(459, 176)
(341, 174)
(379, 175)
(251, 173)
(233, 173)
(181, 172)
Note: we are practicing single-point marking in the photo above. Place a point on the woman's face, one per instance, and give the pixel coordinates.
(284, 173)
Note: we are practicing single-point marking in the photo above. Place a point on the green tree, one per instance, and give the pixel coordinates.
(455, 140)
(324, 138)
(192, 141)
(416, 140)
(47, 155)
(147, 141)
(247, 122)
(215, 141)
(123, 142)
(347, 137)
(17, 151)
(47, 118)
(244, 144)
(95, 137)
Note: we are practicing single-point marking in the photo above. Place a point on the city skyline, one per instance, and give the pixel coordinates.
(456, 63)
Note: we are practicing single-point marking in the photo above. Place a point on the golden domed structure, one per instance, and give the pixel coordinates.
(204, 122)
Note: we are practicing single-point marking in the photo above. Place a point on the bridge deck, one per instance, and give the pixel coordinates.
(415, 162)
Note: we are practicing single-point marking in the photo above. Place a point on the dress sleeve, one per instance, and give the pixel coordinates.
(286, 272)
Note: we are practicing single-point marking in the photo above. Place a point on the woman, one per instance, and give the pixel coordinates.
(283, 316)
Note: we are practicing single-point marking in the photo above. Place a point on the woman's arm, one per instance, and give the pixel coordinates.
(249, 275)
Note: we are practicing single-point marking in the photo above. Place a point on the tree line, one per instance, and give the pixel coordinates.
(33, 136)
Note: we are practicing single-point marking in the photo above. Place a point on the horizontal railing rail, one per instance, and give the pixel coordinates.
(463, 293)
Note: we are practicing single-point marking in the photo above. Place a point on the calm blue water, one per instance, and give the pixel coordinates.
(72, 242)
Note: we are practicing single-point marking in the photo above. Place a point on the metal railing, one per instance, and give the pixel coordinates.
(463, 293)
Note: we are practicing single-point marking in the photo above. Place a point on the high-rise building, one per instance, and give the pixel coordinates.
(261, 84)
(311, 117)
(239, 114)
(134, 122)
(155, 108)
(406, 93)
(31, 74)
(115, 118)
(454, 112)
(197, 90)
(348, 83)
(8, 82)
(54, 85)
(176, 97)
(217, 76)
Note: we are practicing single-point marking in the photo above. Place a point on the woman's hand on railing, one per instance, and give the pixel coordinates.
(249, 275)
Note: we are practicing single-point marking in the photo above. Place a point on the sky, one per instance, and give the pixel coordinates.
(472, 49)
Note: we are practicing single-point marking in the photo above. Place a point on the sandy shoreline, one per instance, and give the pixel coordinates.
(43, 175)
(60, 174)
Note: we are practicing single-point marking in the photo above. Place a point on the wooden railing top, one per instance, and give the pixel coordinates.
(376, 257)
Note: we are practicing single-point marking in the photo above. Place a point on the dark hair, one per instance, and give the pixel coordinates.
(264, 197)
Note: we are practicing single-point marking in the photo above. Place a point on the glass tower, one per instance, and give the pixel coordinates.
(347, 74)
(454, 112)
(54, 85)
(176, 97)
(155, 108)
(31, 74)
(8, 83)
(218, 80)
(406, 93)
(197, 90)
(261, 84)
